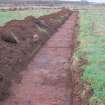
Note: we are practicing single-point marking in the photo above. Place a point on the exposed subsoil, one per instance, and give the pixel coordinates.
(19, 41)
(51, 78)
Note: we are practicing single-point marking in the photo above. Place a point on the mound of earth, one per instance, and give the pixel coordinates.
(19, 42)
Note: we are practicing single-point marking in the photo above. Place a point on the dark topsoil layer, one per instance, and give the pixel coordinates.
(20, 40)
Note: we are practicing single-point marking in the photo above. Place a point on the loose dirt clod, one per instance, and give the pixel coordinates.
(11, 38)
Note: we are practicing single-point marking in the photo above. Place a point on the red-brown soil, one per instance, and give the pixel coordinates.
(19, 41)
(50, 78)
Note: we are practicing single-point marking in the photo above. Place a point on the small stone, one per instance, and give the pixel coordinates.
(35, 38)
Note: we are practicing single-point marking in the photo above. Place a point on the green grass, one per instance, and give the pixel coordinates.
(92, 48)
(6, 16)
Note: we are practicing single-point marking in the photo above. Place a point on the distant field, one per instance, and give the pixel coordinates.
(92, 49)
(6, 16)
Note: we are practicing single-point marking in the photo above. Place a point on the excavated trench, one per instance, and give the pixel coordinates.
(50, 78)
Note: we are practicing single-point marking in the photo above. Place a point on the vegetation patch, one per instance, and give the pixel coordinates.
(92, 48)
(7, 15)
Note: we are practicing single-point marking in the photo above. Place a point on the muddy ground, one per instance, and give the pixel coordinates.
(52, 77)
(20, 40)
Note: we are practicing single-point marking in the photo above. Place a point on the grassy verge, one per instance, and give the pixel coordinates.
(6, 16)
(92, 48)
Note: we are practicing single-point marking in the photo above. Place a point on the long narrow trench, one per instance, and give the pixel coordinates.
(44, 83)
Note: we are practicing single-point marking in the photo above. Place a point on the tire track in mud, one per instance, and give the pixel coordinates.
(48, 80)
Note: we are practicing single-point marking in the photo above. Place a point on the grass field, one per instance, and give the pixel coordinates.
(6, 16)
(92, 49)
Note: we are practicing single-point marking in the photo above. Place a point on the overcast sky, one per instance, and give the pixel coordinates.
(99, 1)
